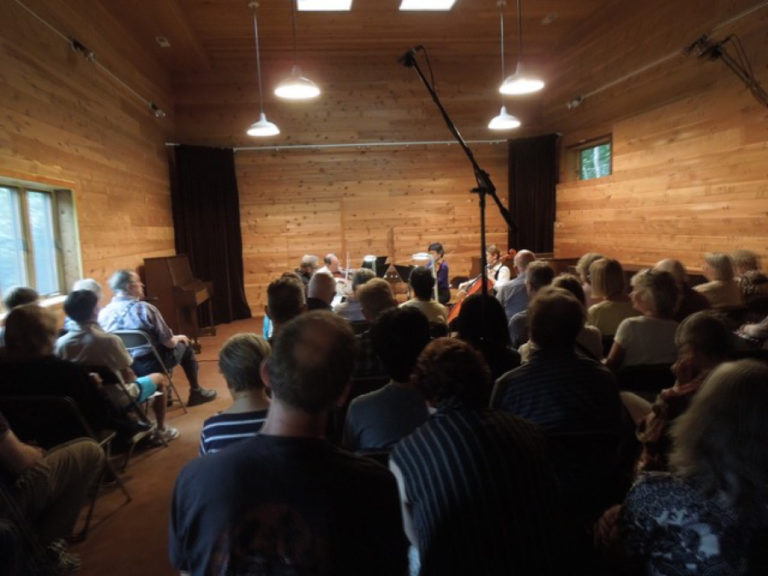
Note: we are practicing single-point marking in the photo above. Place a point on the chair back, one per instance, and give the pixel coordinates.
(140, 340)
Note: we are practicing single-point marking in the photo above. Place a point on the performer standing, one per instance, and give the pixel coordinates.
(441, 272)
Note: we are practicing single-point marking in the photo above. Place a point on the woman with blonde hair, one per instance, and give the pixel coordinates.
(583, 271)
(609, 288)
(722, 290)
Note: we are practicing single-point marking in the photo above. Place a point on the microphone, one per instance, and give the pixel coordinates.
(407, 59)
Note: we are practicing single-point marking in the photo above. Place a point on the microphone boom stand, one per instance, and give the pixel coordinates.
(484, 186)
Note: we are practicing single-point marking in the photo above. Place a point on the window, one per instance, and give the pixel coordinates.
(32, 250)
(595, 161)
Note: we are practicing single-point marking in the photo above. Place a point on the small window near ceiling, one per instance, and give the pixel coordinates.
(38, 238)
(595, 160)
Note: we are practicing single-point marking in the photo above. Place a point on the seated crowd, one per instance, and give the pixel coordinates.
(566, 421)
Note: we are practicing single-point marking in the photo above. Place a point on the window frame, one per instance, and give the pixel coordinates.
(576, 151)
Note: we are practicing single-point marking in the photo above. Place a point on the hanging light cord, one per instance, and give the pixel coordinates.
(293, 27)
(253, 6)
(519, 33)
(501, 21)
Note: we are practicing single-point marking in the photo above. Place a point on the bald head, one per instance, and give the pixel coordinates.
(322, 287)
(523, 259)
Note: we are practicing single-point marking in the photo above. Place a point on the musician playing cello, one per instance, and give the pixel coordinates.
(496, 271)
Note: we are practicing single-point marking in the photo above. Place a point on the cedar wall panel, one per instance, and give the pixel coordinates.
(66, 123)
(385, 201)
(690, 175)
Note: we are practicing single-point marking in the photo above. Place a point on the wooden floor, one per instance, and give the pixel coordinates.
(132, 538)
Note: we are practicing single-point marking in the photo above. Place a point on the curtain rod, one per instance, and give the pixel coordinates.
(406, 143)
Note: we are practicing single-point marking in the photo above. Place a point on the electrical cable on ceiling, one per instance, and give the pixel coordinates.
(90, 56)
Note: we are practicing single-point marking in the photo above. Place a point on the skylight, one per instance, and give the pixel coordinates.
(324, 5)
(426, 4)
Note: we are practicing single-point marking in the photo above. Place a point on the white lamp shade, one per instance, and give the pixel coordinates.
(297, 87)
(504, 121)
(263, 128)
(521, 83)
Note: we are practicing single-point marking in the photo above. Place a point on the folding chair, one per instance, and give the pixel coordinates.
(138, 339)
(112, 378)
(52, 420)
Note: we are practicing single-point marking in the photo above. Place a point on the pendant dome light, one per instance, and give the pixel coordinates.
(296, 86)
(504, 120)
(262, 127)
(520, 82)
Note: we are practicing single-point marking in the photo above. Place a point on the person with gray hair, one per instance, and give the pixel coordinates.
(307, 267)
(321, 291)
(708, 515)
(583, 269)
(649, 338)
(722, 290)
(287, 500)
(513, 295)
(350, 308)
(127, 311)
(240, 363)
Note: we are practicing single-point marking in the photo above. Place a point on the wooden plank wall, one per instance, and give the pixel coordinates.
(64, 122)
(690, 175)
(384, 201)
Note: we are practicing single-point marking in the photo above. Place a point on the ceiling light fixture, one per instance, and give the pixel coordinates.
(324, 5)
(296, 86)
(504, 120)
(426, 4)
(520, 82)
(262, 127)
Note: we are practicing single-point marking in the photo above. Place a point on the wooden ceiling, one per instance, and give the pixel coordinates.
(577, 46)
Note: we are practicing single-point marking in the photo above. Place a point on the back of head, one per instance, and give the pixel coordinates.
(311, 362)
(88, 284)
(523, 258)
(572, 284)
(422, 282)
(120, 280)
(362, 276)
(376, 297)
(399, 336)
(285, 299)
(19, 296)
(80, 305)
(322, 287)
(240, 361)
(584, 263)
(722, 439)
(706, 334)
(606, 277)
(450, 371)
(308, 262)
(745, 260)
(676, 268)
(469, 324)
(555, 317)
(539, 274)
(657, 290)
(30, 332)
(720, 265)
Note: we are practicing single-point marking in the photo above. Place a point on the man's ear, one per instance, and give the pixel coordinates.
(264, 373)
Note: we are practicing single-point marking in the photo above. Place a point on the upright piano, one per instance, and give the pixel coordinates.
(171, 287)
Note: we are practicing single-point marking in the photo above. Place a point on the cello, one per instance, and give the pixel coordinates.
(475, 287)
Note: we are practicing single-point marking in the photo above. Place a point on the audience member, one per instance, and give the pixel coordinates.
(422, 283)
(88, 345)
(286, 299)
(477, 490)
(286, 499)
(744, 261)
(722, 290)
(650, 338)
(583, 269)
(240, 363)
(321, 291)
(307, 268)
(537, 276)
(49, 488)
(83, 284)
(513, 295)
(589, 340)
(562, 391)
(377, 420)
(689, 300)
(483, 325)
(703, 343)
(709, 514)
(127, 311)
(350, 308)
(376, 297)
(609, 291)
(14, 297)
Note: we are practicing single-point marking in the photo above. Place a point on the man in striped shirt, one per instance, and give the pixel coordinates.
(478, 493)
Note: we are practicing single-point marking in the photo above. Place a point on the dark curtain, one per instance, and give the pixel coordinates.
(532, 183)
(206, 221)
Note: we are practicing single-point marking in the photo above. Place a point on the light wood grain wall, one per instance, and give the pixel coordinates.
(64, 122)
(690, 174)
(384, 201)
